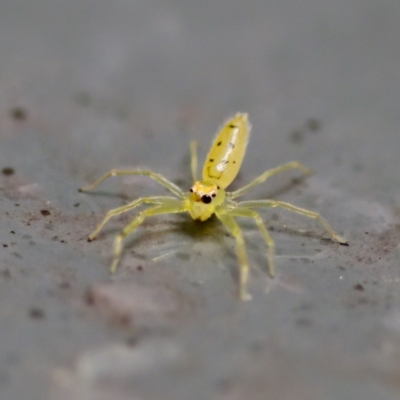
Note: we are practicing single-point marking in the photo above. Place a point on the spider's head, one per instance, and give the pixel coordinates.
(204, 197)
(204, 192)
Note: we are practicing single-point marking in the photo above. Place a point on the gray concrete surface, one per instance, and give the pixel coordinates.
(86, 86)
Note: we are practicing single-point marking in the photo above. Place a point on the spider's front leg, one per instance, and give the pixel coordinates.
(170, 206)
(128, 207)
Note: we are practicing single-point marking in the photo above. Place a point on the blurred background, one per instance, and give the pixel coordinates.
(86, 86)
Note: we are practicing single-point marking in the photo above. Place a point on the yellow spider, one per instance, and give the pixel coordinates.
(208, 196)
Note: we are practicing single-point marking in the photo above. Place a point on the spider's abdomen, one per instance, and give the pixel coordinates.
(226, 154)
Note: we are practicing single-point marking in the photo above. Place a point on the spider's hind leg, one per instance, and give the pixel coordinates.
(268, 174)
(247, 212)
(298, 210)
(162, 180)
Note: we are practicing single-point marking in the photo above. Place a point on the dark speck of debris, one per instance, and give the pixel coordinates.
(6, 273)
(132, 341)
(296, 181)
(16, 204)
(296, 136)
(19, 114)
(358, 167)
(274, 217)
(344, 244)
(84, 99)
(341, 268)
(12, 232)
(224, 386)
(8, 171)
(304, 322)
(139, 268)
(77, 204)
(65, 285)
(89, 298)
(45, 212)
(359, 287)
(124, 320)
(313, 125)
(36, 313)
(5, 245)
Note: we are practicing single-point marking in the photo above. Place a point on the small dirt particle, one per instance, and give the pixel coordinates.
(18, 114)
(64, 285)
(6, 273)
(303, 322)
(296, 136)
(132, 341)
(313, 125)
(36, 313)
(359, 287)
(84, 99)
(8, 171)
(45, 212)
(89, 297)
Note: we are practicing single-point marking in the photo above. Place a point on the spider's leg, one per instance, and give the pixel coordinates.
(127, 207)
(145, 172)
(193, 159)
(247, 212)
(291, 207)
(169, 207)
(227, 219)
(267, 174)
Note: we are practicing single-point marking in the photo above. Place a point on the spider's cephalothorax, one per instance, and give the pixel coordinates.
(208, 196)
(204, 197)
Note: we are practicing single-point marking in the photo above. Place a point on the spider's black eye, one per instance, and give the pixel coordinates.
(191, 190)
(206, 199)
(213, 195)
